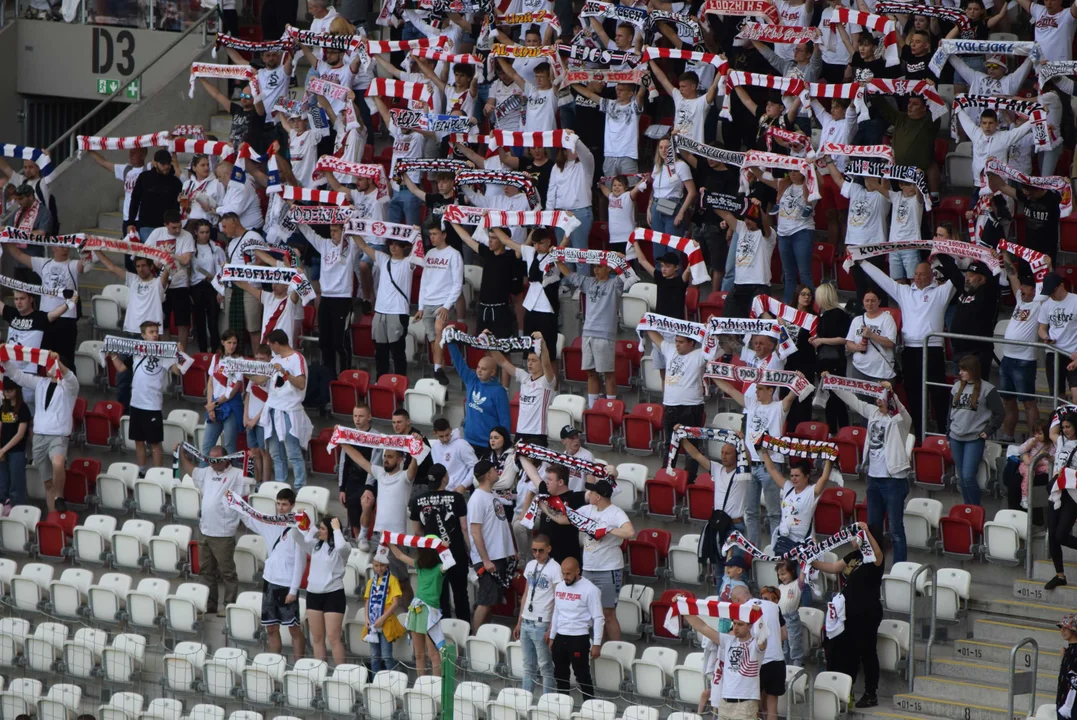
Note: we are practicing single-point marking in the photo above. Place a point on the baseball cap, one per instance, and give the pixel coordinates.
(1051, 282)
(602, 486)
(162, 156)
(381, 555)
(979, 268)
(995, 60)
(482, 467)
(736, 561)
(1069, 622)
(569, 431)
(24, 190)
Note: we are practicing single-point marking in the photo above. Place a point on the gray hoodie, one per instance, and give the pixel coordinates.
(966, 422)
(602, 304)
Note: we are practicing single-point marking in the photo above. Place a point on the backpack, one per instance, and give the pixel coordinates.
(318, 378)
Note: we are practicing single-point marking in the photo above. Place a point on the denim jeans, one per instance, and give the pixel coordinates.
(664, 223)
(729, 279)
(579, 236)
(967, 456)
(537, 658)
(404, 207)
(886, 495)
(761, 481)
(13, 477)
(290, 446)
(796, 253)
(228, 429)
(1049, 160)
(794, 643)
(903, 264)
(381, 655)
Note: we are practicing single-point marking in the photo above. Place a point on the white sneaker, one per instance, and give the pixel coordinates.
(576, 294)
(364, 545)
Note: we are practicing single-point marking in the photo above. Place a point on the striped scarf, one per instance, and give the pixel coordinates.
(195, 131)
(684, 607)
(742, 8)
(34, 155)
(318, 214)
(300, 519)
(350, 436)
(546, 455)
(129, 246)
(756, 158)
(612, 260)
(419, 541)
(562, 219)
(805, 552)
(548, 139)
(879, 152)
(223, 150)
(414, 91)
(325, 197)
(653, 53)
(96, 142)
(981, 47)
(245, 457)
(686, 246)
(29, 288)
(519, 180)
(578, 55)
(583, 77)
(251, 46)
(724, 435)
(211, 70)
(737, 78)
(744, 374)
(922, 88)
(766, 304)
(793, 139)
(853, 92)
(1043, 135)
(620, 13)
(879, 23)
(382, 230)
(1036, 260)
(579, 521)
(954, 16)
(889, 171)
(956, 248)
(373, 172)
(1056, 183)
(379, 47)
(11, 352)
(463, 215)
(257, 274)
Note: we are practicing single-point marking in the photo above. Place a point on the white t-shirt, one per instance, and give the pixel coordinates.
(1024, 326)
(273, 84)
(795, 15)
(536, 299)
(771, 615)
(798, 511)
(763, 419)
(794, 212)
(541, 115)
(727, 480)
(753, 255)
(1060, 316)
(535, 397)
(128, 174)
(368, 205)
(867, 215)
(537, 602)
(149, 381)
(59, 276)
(485, 509)
(622, 128)
(603, 554)
(876, 446)
(877, 361)
(285, 311)
(389, 300)
(179, 245)
(283, 395)
(393, 492)
(144, 302)
(684, 376)
(689, 115)
(905, 214)
(1054, 33)
(207, 260)
(459, 460)
(668, 182)
(406, 146)
(834, 51)
(341, 76)
(338, 263)
(501, 92)
(739, 663)
(622, 218)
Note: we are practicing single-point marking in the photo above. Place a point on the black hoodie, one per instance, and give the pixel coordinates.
(976, 312)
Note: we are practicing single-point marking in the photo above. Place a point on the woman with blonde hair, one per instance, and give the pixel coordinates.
(673, 192)
(976, 412)
(829, 344)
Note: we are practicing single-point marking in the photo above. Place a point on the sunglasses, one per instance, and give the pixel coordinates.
(539, 550)
(245, 96)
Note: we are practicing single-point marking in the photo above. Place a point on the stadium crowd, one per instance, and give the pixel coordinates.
(572, 152)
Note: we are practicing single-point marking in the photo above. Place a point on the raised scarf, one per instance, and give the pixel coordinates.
(432, 165)
(350, 436)
(548, 139)
(799, 448)
(744, 374)
(766, 304)
(653, 322)
(414, 91)
(93, 243)
(878, 23)
(578, 54)
(420, 541)
(519, 180)
(29, 288)
(879, 152)
(696, 266)
(430, 122)
(325, 197)
(546, 455)
(11, 352)
(684, 607)
(614, 261)
(245, 366)
(653, 53)
(1059, 184)
(710, 152)
(35, 155)
(251, 46)
(633, 77)
(13, 234)
(463, 215)
(737, 78)
(211, 70)
(378, 47)
(756, 158)
(725, 435)
(145, 348)
(981, 47)
(487, 342)
(245, 458)
(300, 519)
(382, 230)
(787, 34)
(579, 521)
(1043, 135)
(742, 8)
(805, 552)
(97, 142)
(1036, 260)
(621, 13)
(318, 214)
(956, 248)
(258, 274)
(865, 167)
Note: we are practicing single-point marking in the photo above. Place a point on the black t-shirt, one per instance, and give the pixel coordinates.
(26, 330)
(564, 539)
(443, 513)
(916, 68)
(499, 275)
(725, 181)
(765, 122)
(9, 425)
(1042, 216)
(435, 206)
(864, 70)
(863, 583)
(246, 125)
(540, 174)
(670, 295)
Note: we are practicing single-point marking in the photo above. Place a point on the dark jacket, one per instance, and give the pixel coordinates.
(153, 194)
(975, 312)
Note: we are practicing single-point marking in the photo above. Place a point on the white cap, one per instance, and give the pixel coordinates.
(381, 555)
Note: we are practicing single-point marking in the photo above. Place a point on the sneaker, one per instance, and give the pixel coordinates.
(364, 545)
(441, 377)
(1054, 582)
(576, 294)
(868, 700)
(220, 612)
(1008, 439)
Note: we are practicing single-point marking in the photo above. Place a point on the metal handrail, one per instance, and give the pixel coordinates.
(976, 338)
(910, 660)
(1027, 678)
(1028, 515)
(70, 134)
(809, 693)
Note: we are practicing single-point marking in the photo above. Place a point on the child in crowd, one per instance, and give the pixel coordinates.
(382, 603)
(1038, 444)
(253, 402)
(735, 568)
(789, 597)
(424, 614)
(622, 207)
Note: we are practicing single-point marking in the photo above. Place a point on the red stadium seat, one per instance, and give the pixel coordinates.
(961, 530)
(363, 337)
(643, 428)
(701, 499)
(850, 441)
(1067, 234)
(660, 498)
(572, 364)
(102, 423)
(811, 430)
(78, 416)
(1069, 274)
(599, 237)
(51, 541)
(67, 521)
(691, 302)
(678, 477)
(633, 351)
(386, 395)
(822, 262)
(929, 468)
(603, 423)
(192, 555)
(347, 391)
(509, 606)
(647, 553)
(835, 510)
(660, 609)
(952, 208)
(81, 481)
(940, 442)
(714, 305)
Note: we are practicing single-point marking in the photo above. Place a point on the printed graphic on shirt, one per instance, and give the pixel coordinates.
(1045, 21)
(437, 508)
(863, 75)
(477, 401)
(747, 245)
(859, 211)
(1059, 318)
(876, 436)
(741, 662)
(539, 579)
(674, 370)
(963, 401)
(1021, 314)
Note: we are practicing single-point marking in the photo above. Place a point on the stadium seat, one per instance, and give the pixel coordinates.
(643, 428)
(662, 493)
(115, 486)
(689, 682)
(263, 677)
(347, 391)
(46, 646)
(103, 424)
(486, 649)
(61, 703)
(121, 706)
(613, 665)
(108, 596)
(684, 565)
(850, 441)
(183, 666)
(811, 430)
(831, 697)
(511, 704)
(633, 608)
(603, 423)
(68, 595)
(18, 529)
(146, 603)
(205, 711)
(83, 654)
(960, 531)
(1004, 537)
(552, 706)
(386, 395)
(647, 553)
(302, 682)
(954, 588)
(31, 586)
(124, 658)
(700, 499)
(929, 468)
(342, 691)
(892, 644)
(184, 609)
(222, 672)
(652, 673)
(898, 591)
(835, 510)
(131, 543)
(250, 557)
(921, 522)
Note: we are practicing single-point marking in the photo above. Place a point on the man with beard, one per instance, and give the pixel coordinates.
(564, 539)
(443, 512)
(352, 479)
(977, 309)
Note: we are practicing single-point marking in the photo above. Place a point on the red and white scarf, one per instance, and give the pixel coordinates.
(130, 246)
(954, 16)
(548, 139)
(299, 519)
(382, 230)
(612, 260)
(801, 448)
(374, 172)
(853, 92)
(787, 34)
(328, 90)
(414, 91)
(195, 131)
(766, 304)
(30, 288)
(379, 47)
(350, 436)
(861, 387)
(653, 53)
(42, 358)
(251, 46)
(882, 152)
(1059, 184)
(212, 70)
(220, 149)
(583, 77)
(419, 541)
(260, 274)
(1065, 480)
(546, 455)
(325, 197)
(795, 140)
(97, 142)
(562, 219)
(882, 86)
(737, 78)
(742, 8)
(744, 374)
(464, 215)
(956, 248)
(806, 552)
(1036, 260)
(687, 246)
(25, 220)
(1044, 135)
(712, 609)
(756, 158)
(878, 23)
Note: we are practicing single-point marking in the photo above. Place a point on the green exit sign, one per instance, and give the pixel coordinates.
(107, 86)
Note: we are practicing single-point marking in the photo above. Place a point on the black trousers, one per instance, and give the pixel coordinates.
(689, 416)
(399, 353)
(61, 336)
(1060, 529)
(912, 372)
(205, 314)
(855, 649)
(275, 15)
(738, 304)
(573, 652)
(333, 313)
(456, 584)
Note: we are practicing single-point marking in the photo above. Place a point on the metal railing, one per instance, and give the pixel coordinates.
(1033, 492)
(910, 660)
(1024, 682)
(809, 693)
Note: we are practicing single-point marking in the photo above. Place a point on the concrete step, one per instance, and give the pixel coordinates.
(999, 653)
(1044, 570)
(991, 674)
(110, 221)
(104, 232)
(878, 713)
(1003, 632)
(1020, 610)
(954, 690)
(1061, 597)
(936, 707)
(220, 125)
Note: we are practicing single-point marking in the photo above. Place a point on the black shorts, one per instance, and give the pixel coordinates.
(771, 677)
(490, 590)
(354, 506)
(498, 319)
(178, 304)
(545, 323)
(330, 602)
(274, 610)
(146, 425)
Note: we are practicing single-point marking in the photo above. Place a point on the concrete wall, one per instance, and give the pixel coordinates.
(10, 127)
(84, 189)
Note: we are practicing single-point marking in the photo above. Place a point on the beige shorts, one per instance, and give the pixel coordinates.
(744, 710)
(430, 317)
(597, 354)
(45, 448)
